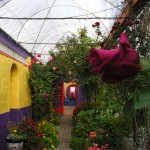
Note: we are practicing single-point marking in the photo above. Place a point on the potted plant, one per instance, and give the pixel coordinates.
(14, 139)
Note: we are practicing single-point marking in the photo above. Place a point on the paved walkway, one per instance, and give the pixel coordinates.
(64, 129)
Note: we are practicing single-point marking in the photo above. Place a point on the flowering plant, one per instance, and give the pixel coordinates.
(39, 135)
(14, 134)
(95, 147)
(99, 138)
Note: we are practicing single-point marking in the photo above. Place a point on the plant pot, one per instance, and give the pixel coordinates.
(14, 144)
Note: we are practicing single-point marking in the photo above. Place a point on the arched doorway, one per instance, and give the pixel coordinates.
(71, 95)
(72, 92)
(14, 89)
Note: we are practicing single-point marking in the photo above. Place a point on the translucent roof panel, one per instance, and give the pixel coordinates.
(38, 24)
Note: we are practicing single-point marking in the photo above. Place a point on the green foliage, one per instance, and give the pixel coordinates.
(74, 60)
(38, 135)
(142, 98)
(41, 80)
(148, 112)
(78, 143)
(95, 128)
(50, 137)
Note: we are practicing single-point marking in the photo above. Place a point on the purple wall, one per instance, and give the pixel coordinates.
(79, 95)
(14, 115)
(12, 44)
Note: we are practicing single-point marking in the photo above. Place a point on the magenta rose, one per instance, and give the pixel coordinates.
(116, 64)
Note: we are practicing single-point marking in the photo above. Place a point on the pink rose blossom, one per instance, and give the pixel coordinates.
(54, 68)
(50, 58)
(103, 147)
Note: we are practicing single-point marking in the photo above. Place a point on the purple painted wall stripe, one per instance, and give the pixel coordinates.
(9, 42)
(14, 115)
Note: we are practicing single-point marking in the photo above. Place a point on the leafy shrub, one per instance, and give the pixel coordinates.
(94, 128)
(38, 135)
(78, 143)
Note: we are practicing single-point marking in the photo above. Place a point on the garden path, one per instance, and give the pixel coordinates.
(64, 129)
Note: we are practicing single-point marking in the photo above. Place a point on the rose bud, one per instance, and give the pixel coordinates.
(97, 24)
(117, 64)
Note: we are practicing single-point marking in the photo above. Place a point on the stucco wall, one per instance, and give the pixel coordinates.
(15, 97)
(20, 99)
(66, 86)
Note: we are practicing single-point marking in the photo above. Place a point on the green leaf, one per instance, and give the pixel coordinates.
(143, 99)
(79, 125)
(145, 64)
(81, 113)
(52, 146)
(148, 112)
(90, 111)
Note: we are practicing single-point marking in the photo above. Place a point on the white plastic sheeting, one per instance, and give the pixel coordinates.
(40, 35)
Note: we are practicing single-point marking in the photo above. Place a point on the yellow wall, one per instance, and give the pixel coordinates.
(66, 85)
(14, 88)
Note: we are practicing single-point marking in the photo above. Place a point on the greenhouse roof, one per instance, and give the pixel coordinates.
(39, 24)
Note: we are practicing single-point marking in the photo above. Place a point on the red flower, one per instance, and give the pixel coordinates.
(45, 95)
(35, 59)
(92, 134)
(97, 24)
(115, 65)
(38, 55)
(32, 61)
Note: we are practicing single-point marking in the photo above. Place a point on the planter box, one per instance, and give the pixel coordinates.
(14, 145)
